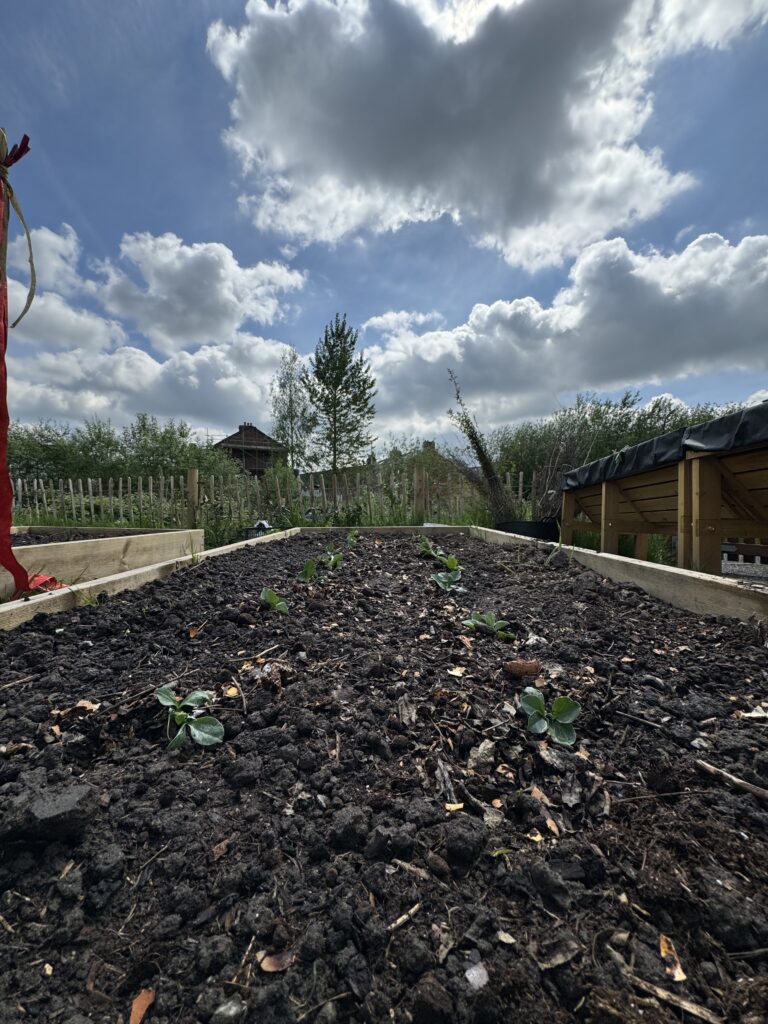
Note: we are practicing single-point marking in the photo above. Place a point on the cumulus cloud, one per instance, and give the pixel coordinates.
(624, 319)
(57, 255)
(394, 323)
(517, 119)
(191, 294)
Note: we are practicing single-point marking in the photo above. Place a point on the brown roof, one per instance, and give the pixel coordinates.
(247, 437)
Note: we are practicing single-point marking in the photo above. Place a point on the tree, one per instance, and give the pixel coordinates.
(341, 387)
(293, 418)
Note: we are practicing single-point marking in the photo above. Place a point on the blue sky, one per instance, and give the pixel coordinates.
(548, 197)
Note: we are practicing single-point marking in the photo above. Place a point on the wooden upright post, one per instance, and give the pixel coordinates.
(419, 492)
(684, 515)
(568, 516)
(609, 510)
(706, 498)
(193, 498)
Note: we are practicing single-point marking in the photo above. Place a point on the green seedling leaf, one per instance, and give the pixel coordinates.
(309, 571)
(196, 699)
(281, 608)
(179, 717)
(206, 731)
(562, 732)
(537, 723)
(178, 739)
(565, 710)
(533, 702)
(167, 697)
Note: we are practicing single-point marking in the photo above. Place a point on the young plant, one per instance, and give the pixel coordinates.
(555, 720)
(272, 602)
(184, 713)
(309, 572)
(450, 562)
(352, 539)
(426, 548)
(332, 557)
(487, 624)
(449, 581)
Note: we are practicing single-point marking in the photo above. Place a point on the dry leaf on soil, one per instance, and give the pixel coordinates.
(520, 667)
(276, 962)
(673, 967)
(141, 1004)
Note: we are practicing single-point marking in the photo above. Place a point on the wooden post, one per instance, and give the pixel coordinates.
(335, 490)
(120, 499)
(71, 490)
(684, 515)
(90, 498)
(641, 546)
(101, 501)
(111, 494)
(174, 516)
(140, 493)
(520, 482)
(568, 516)
(706, 498)
(130, 500)
(533, 495)
(193, 497)
(609, 510)
(162, 501)
(61, 500)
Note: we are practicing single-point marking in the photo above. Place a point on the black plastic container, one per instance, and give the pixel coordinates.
(541, 529)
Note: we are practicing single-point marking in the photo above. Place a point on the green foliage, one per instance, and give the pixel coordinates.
(309, 572)
(352, 539)
(555, 720)
(449, 581)
(427, 549)
(332, 557)
(341, 388)
(272, 602)
(488, 624)
(293, 418)
(184, 713)
(51, 451)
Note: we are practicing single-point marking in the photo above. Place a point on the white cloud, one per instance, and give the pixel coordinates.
(191, 294)
(56, 258)
(625, 319)
(52, 321)
(396, 322)
(519, 120)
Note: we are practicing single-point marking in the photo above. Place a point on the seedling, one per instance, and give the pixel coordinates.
(429, 550)
(449, 581)
(352, 539)
(185, 714)
(272, 602)
(332, 557)
(309, 571)
(489, 625)
(555, 720)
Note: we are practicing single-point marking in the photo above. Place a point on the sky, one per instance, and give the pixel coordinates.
(548, 197)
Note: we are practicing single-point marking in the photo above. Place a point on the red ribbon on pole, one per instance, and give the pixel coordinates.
(24, 583)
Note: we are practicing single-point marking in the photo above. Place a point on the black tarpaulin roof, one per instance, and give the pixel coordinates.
(737, 430)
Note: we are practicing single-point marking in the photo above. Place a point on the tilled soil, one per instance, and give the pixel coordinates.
(379, 838)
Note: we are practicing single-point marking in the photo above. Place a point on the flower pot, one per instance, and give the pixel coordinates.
(541, 529)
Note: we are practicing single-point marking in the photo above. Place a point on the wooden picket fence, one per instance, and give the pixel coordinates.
(197, 500)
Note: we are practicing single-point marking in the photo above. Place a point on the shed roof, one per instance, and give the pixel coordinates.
(250, 438)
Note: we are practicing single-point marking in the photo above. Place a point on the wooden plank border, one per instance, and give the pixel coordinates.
(693, 591)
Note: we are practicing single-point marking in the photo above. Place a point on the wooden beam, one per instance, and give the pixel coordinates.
(684, 515)
(731, 527)
(641, 546)
(706, 502)
(609, 511)
(749, 503)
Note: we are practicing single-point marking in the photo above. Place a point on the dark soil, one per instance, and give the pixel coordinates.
(19, 540)
(541, 896)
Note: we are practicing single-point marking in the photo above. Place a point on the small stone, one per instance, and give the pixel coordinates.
(483, 757)
(233, 1010)
(437, 865)
(477, 976)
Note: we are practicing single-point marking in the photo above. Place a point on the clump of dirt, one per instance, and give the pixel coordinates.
(379, 838)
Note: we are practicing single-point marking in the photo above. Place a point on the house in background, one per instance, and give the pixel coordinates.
(254, 450)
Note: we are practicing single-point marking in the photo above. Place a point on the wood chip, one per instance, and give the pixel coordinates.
(141, 1003)
(404, 918)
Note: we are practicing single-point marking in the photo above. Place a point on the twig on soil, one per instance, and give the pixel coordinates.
(255, 657)
(236, 684)
(655, 796)
(19, 682)
(151, 859)
(319, 1006)
(637, 718)
(412, 869)
(678, 1001)
(404, 918)
(750, 954)
(732, 780)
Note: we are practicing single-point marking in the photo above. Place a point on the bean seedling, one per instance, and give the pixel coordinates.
(332, 557)
(352, 539)
(487, 624)
(449, 581)
(272, 602)
(185, 714)
(555, 720)
(429, 550)
(309, 571)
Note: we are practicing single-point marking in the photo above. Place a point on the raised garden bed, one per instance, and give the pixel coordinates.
(86, 553)
(318, 834)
